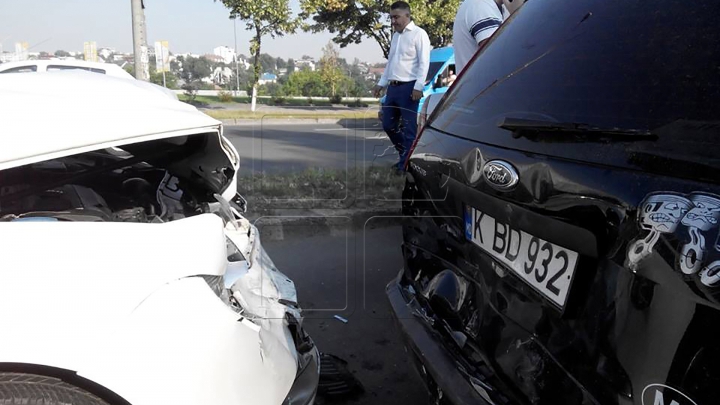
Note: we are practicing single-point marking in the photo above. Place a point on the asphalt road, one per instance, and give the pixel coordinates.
(345, 274)
(285, 148)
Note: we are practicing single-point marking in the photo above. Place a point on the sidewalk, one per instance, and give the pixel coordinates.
(240, 114)
(372, 201)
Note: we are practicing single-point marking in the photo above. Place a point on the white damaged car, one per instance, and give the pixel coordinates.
(129, 274)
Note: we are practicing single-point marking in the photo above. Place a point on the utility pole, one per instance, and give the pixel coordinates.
(139, 40)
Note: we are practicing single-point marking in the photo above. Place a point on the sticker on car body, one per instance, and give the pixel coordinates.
(692, 220)
(545, 266)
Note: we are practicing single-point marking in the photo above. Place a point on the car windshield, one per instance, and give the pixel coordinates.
(585, 62)
(432, 71)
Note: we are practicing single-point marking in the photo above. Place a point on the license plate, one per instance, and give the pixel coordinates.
(545, 266)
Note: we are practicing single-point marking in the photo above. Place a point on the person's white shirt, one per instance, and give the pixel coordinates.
(475, 21)
(409, 57)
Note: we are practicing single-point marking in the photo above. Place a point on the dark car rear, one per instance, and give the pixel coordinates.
(561, 235)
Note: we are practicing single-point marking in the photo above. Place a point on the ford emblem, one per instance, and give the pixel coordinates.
(500, 175)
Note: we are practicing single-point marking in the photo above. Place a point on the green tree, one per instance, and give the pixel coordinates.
(280, 63)
(192, 71)
(262, 18)
(290, 66)
(243, 74)
(62, 54)
(353, 20)
(330, 70)
(305, 83)
(157, 77)
(267, 63)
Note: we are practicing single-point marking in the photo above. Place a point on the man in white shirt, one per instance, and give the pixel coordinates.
(404, 78)
(475, 22)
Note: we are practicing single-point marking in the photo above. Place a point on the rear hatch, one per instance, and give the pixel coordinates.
(569, 182)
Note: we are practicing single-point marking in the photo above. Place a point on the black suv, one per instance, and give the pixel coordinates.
(562, 204)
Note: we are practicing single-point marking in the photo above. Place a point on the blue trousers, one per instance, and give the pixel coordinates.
(399, 118)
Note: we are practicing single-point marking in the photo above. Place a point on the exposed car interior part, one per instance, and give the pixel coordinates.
(157, 181)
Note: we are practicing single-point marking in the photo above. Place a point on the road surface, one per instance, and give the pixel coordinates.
(286, 148)
(345, 274)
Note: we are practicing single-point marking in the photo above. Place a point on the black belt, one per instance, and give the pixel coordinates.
(398, 83)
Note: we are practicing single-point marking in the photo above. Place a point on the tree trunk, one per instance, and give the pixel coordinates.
(255, 47)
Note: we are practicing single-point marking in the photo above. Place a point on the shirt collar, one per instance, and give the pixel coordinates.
(411, 26)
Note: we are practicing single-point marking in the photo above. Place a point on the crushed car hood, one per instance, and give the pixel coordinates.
(115, 111)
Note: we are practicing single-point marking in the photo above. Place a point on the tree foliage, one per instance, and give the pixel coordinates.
(353, 20)
(157, 77)
(290, 66)
(268, 64)
(262, 18)
(330, 69)
(194, 69)
(306, 83)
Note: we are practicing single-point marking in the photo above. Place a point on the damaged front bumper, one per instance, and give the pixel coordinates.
(436, 366)
(266, 297)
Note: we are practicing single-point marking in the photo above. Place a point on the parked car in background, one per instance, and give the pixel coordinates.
(129, 274)
(28, 66)
(53, 66)
(561, 236)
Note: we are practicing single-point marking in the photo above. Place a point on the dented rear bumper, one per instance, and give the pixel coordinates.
(435, 365)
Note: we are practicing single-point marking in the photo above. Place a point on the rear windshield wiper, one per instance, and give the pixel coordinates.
(520, 126)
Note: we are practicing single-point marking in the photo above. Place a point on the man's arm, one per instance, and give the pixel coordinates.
(484, 18)
(380, 86)
(422, 48)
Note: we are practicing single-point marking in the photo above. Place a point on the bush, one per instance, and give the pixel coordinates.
(225, 96)
(336, 99)
(277, 94)
(190, 91)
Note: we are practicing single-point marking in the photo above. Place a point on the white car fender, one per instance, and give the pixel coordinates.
(187, 351)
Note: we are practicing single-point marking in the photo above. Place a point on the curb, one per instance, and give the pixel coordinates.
(280, 121)
(331, 222)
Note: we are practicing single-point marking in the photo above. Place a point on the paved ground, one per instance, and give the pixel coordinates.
(276, 148)
(345, 274)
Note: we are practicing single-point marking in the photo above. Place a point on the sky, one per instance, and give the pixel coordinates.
(195, 26)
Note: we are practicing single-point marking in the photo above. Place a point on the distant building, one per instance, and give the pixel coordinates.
(188, 55)
(305, 63)
(375, 72)
(106, 52)
(7, 57)
(267, 78)
(222, 76)
(226, 53)
(121, 63)
(214, 58)
(244, 62)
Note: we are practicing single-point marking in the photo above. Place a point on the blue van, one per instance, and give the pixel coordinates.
(440, 74)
